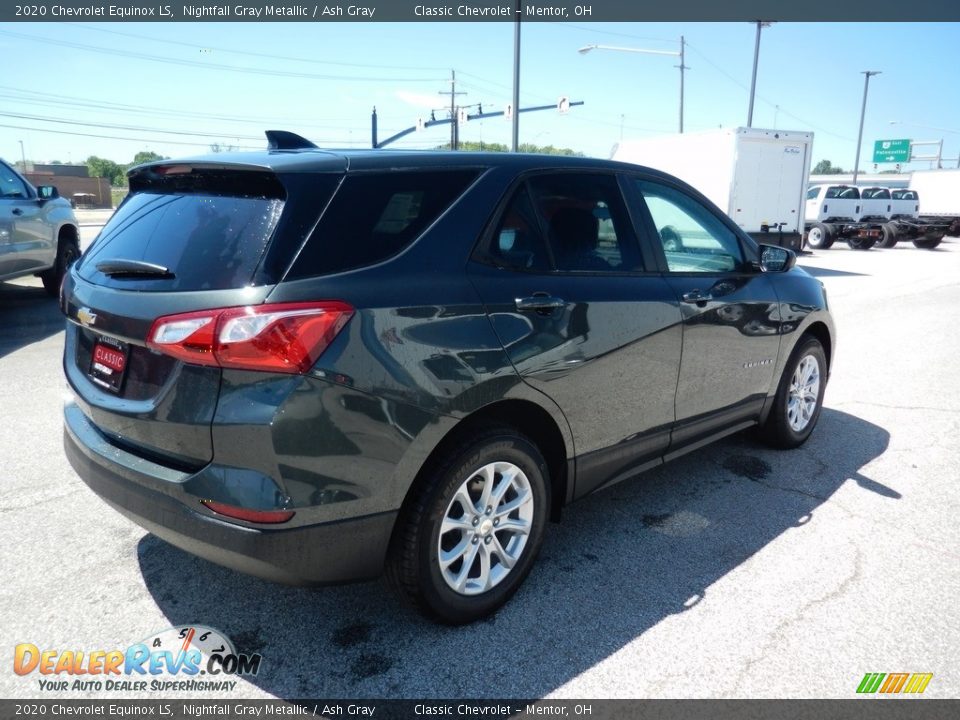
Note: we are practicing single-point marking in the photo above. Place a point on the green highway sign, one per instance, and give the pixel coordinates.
(891, 151)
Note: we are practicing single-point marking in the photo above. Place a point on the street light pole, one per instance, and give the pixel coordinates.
(863, 111)
(515, 120)
(756, 59)
(673, 53)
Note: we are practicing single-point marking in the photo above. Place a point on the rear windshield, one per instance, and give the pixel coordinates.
(876, 194)
(208, 242)
(376, 215)
(844, 193)
(904, 195)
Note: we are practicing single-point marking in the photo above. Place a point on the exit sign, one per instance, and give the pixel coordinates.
(891, 151)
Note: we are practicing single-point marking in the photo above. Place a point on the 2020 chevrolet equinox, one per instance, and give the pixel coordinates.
(317, 367)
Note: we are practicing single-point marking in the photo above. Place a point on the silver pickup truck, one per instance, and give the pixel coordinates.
(38, 231)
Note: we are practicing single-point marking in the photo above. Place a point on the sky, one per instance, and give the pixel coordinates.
(114, 89)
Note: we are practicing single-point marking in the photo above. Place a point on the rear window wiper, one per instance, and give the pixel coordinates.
(133, 269)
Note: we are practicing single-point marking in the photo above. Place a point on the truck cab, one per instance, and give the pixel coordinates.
(832, 203)
(874, 204)
(904, 203)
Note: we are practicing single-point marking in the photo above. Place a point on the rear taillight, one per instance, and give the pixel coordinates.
(267, 517)
(282, 337)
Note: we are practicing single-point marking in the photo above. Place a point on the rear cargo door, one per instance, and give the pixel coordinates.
(769, 184)
(181, 244)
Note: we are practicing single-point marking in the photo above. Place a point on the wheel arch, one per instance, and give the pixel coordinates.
(526, 417)
(68, 231)
(821, 332)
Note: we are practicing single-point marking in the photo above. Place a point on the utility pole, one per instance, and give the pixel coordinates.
(23, 157)
(515, 121)
(682, 68)
(454, 129)
(863, 111)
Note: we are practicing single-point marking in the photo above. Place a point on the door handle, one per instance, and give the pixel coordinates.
(539, 303)
(697, 296)
(17, 211)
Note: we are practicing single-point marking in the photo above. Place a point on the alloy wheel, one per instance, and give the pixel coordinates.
(485, 528)
(803, 393)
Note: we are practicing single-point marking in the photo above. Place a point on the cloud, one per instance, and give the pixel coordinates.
(419, 99)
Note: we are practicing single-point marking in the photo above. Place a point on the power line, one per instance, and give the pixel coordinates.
(760, 97)
(117, 137)
(250, 53)
(46, 99)
(211, 65)
(113, 126)
(154, 141)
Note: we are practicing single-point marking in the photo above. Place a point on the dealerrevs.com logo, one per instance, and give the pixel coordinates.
(186, 658)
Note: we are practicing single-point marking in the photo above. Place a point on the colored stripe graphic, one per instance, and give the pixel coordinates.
(918, 682)
(870, 682)
(894, 683)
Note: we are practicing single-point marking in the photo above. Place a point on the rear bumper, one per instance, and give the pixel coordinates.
(327, 553)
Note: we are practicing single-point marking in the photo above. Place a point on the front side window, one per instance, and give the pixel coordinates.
(693, 238)
(11, 186)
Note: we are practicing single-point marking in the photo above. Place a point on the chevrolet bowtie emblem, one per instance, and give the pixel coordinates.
(86, 317)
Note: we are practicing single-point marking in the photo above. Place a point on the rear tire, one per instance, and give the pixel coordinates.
(67, 252)
(861, 243)
(448, 559)
(799, 398)
(890, 236)
(927, 243)
(819, 237)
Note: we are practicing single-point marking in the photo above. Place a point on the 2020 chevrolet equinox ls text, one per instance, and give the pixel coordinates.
(319, 367)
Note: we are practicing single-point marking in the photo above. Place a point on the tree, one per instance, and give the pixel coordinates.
(115, 173)
(825, 167)
(145, 156)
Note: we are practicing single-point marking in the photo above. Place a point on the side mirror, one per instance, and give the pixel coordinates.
(47, 192)
(776, 259)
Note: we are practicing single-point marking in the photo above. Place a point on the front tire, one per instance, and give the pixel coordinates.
(67, 252)
(468, 536)
(799, 398)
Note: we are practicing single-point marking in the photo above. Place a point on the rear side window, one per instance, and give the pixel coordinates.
(812, 193)
(374, 216)
(209, 242)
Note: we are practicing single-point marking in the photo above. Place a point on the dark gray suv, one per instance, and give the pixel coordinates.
(318, 367)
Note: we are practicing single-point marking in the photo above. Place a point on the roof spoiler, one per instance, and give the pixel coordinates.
(283, 140)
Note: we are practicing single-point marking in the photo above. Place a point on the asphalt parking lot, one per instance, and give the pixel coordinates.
(736, 571)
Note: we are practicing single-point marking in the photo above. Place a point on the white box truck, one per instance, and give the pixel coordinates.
(939, 192)
(758, 177)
